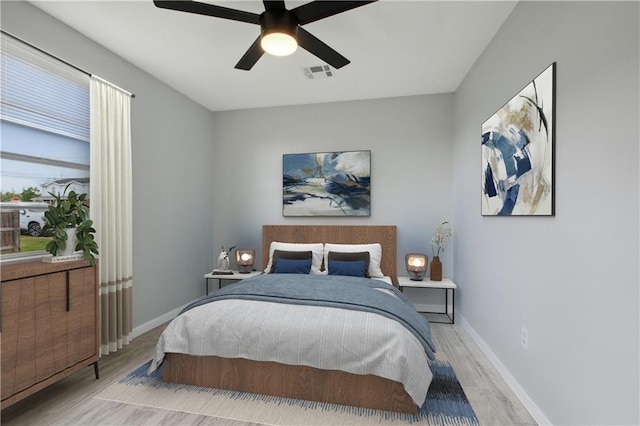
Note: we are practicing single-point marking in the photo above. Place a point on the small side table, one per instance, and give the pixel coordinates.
(236, 276)
(446, 284)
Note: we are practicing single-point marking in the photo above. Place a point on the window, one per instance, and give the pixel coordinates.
(44, 119)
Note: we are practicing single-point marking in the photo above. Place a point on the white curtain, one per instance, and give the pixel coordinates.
(111, 209)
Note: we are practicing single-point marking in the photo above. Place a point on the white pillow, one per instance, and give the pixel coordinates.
(314, 248)
(375, 255)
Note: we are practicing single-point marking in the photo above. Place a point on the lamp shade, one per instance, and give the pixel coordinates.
(416, 265)
(279, 43)
(245, 259)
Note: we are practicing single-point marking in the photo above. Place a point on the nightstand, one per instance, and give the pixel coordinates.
(446, 284)
(236, 276)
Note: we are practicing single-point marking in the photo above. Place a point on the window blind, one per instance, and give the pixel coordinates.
(41, 92)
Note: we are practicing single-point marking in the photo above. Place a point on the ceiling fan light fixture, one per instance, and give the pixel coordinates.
(278, 43)
(280, 28)
(279, 32)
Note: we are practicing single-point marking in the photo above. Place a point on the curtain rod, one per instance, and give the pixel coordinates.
(126, 92)
(63, 61)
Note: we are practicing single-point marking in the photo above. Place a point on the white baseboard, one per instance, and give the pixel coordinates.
(522, 395)
(150, 325)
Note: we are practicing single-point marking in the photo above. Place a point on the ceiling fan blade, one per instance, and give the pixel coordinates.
(274, 5)
(250, 57)
(209, 10)
(313, 45)
(317, 10)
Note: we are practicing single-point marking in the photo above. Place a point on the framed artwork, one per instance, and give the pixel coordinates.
(518, 152)
(327, 184)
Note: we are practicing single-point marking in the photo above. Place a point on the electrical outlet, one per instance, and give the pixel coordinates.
(524, 338)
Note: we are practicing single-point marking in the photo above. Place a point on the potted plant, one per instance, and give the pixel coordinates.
(443, 233)
(68, 223)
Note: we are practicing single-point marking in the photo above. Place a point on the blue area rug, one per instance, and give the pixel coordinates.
(446, 403)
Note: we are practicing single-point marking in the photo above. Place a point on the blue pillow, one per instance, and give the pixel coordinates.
(357, 268)
(292, 266)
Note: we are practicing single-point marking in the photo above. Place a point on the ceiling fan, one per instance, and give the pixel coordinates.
(281, 29)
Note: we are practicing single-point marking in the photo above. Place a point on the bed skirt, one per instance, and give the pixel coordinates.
(288, 381)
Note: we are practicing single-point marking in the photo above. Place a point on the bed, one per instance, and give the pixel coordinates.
(285, 379)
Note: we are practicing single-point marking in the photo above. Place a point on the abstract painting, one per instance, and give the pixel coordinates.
(327, 184)
(517, 152)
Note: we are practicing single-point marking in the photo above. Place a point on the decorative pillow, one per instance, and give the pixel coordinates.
(290, 255)
(352, 268)
(316, 254)
(350, 257)
(292, 266)
(374, 249)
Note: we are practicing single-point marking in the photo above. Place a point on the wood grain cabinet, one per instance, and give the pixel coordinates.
(49, 324)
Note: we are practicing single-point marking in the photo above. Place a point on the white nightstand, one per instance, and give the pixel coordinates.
(446, 284)
(236, 276)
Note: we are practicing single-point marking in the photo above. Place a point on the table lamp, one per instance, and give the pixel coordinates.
(245, 259)
(416, 265)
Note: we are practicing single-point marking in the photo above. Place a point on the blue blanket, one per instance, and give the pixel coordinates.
(331, 291)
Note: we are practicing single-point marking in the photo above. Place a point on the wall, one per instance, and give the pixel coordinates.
(410, 143)
(571, 280)
(171, 148)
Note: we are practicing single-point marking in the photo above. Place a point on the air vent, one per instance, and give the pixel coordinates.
(320, 71)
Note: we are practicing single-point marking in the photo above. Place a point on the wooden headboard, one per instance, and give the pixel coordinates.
(337, 234)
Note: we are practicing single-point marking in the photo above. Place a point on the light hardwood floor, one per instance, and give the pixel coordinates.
(70, 401)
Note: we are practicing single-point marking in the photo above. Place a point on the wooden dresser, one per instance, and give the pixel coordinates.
(49, 324)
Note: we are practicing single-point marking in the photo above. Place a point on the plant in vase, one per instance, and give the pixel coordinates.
(443, 233)
(68, 223)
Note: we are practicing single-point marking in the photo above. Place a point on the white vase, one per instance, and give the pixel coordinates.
(223, 261)
(71, 242)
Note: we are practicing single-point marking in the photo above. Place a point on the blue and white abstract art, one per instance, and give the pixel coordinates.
(517, 153)
(327, 184)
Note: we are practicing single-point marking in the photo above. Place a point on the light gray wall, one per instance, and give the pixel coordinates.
(172, 147)
(571, 280)
(411, 148)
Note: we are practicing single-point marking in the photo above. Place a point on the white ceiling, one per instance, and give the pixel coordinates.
(396, 48)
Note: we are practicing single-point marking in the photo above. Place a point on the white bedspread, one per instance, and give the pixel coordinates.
(322, 337)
